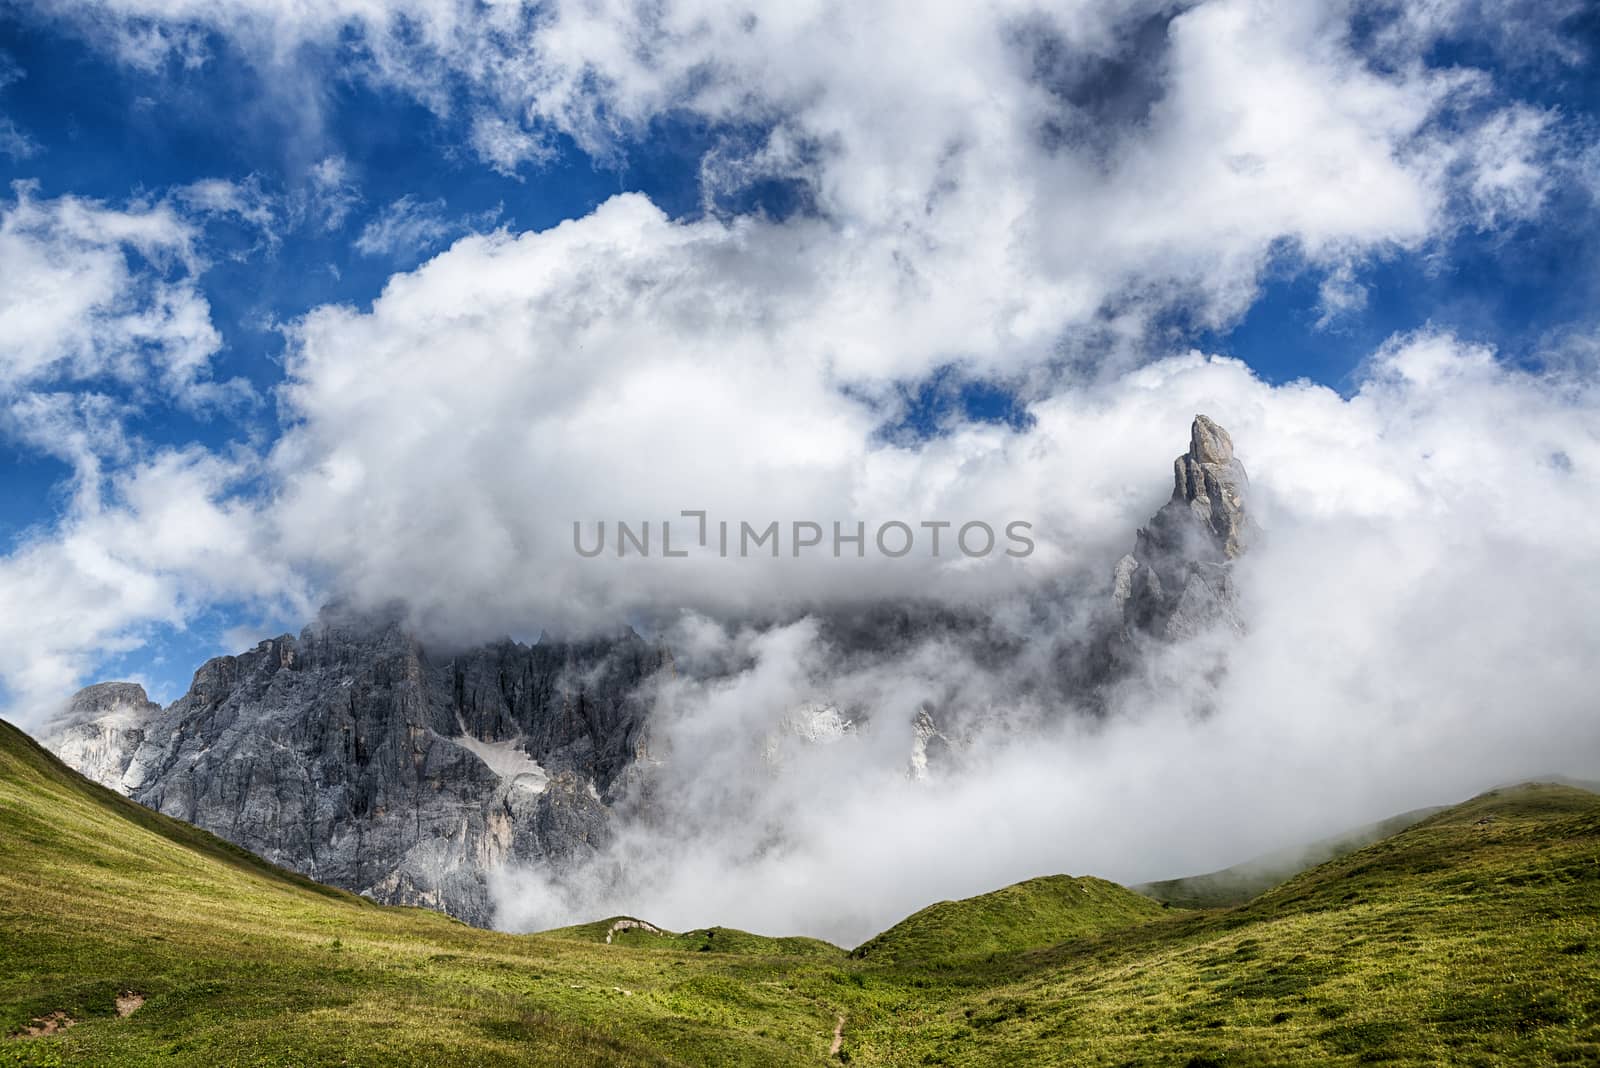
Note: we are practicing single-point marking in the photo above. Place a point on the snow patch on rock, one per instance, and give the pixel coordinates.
(507, 759)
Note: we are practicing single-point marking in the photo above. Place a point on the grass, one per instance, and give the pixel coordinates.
(1472, 937)
(1247, 881)
(729, 940)
(1038, 912)
(1468, 939)
(244, 963)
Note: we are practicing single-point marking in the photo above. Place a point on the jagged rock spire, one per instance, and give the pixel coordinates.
(1177, 579)
(1212, 483)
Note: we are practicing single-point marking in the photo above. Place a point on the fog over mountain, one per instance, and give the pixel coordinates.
(1226, 688)
(1348, 696)
(323, 325)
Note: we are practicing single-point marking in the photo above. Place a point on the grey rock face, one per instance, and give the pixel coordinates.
(354, 755)
(101, 728)
(928, 743)
(1178, 579)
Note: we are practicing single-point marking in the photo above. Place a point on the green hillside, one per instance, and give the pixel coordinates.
(1472, 937)
(242, 963)
(1027, 915)
(619, 930)
(1244, 882)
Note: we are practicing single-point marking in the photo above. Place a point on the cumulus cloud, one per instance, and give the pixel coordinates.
(619, 367)
(151, 543)
(90, 291)
(989, 186)
(1050, 163)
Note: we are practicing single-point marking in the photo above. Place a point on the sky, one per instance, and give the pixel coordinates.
(374, 301)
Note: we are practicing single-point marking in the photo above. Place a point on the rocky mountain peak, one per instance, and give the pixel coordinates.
(100, 728)
(355, 755)
(104, 697)
(1212, 484)
(1176, 581)
(364, 756)
(1209, 443)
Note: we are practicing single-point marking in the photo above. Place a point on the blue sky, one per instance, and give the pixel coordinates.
(95, 118)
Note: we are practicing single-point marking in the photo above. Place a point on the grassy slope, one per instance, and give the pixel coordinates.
(1473, 938)
(246, 964)
(1027, 915)
(1247, 881)
(706, 940)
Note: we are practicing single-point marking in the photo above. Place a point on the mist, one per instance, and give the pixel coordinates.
(1419, 616)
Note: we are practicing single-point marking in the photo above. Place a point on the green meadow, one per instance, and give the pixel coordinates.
(1471, 937)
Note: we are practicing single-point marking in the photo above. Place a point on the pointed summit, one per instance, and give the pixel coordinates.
(1208, 442)
(1212, 484)
(1176, 581)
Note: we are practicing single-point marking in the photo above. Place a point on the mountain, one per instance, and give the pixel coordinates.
(1469, 938)
(1178, 579)
(101, 729)
(358, 755)
(355, 755)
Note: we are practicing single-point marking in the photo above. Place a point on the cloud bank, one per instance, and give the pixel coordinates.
(1417, 631)
(994, 192)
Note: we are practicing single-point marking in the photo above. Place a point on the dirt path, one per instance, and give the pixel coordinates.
(838, 1037)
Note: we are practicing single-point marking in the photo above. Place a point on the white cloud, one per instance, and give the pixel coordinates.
(505, 145)
(156, 542)
(1509, 166)
(1519, 33)
(102, 317)
(243, 200)
(1340, 294)
(89, 292)
(333, 192)
(991, 147)
(14, 141)
(1418, 632)
(409, 228)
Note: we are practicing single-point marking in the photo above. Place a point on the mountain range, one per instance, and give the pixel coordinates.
(361, 757)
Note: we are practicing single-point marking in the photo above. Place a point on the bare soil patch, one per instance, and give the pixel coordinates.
(46, 1025)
